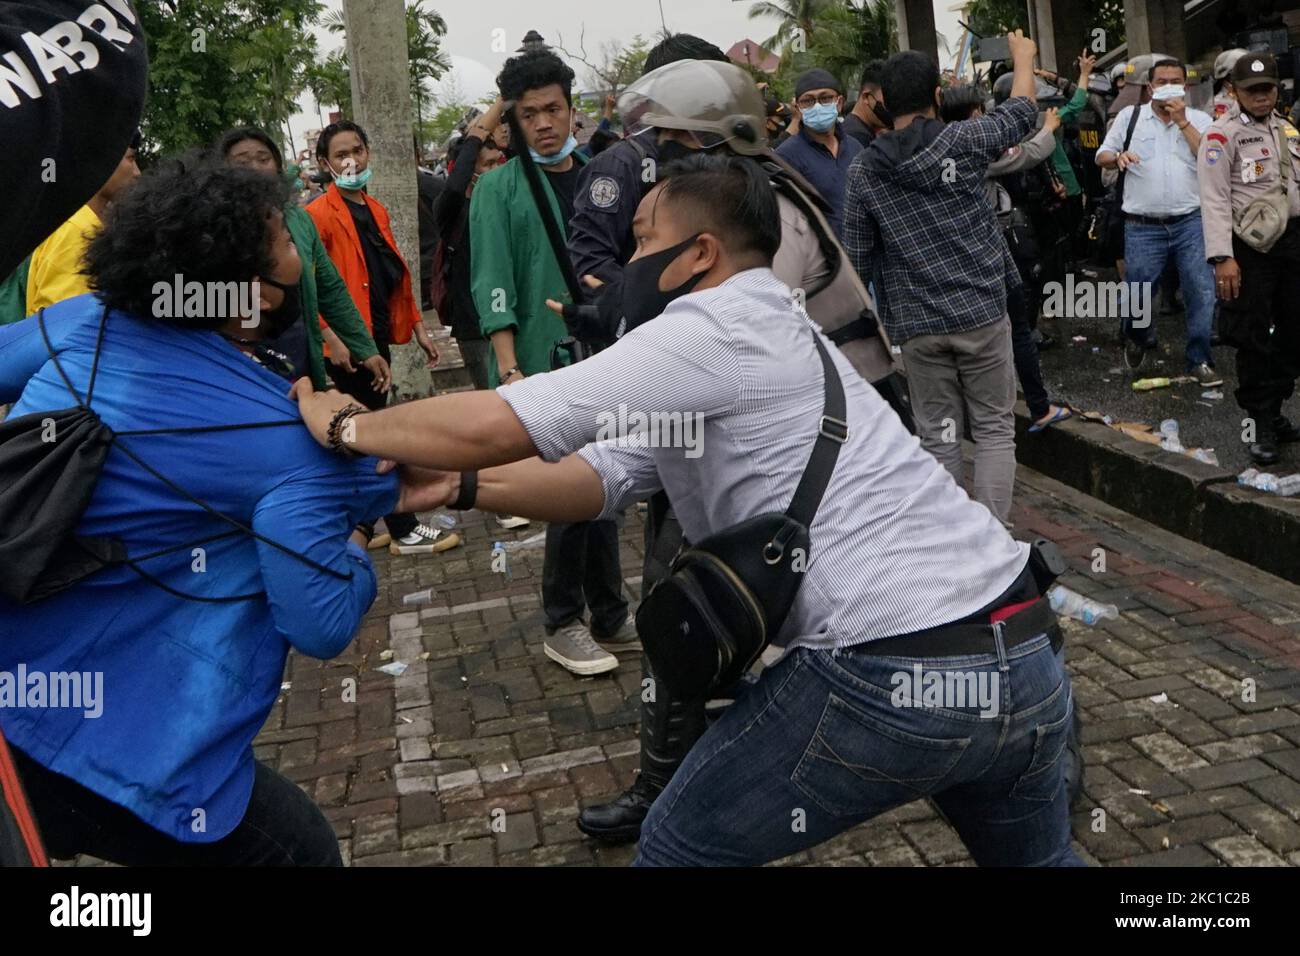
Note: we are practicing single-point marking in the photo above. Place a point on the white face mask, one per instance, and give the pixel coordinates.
(1171, 92)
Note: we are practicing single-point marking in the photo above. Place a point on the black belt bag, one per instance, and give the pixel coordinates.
(726, 597)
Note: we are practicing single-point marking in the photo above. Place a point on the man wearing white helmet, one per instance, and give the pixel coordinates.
(1225, 100)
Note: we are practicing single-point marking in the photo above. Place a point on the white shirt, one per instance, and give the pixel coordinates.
(1164, 182)
(896, 547)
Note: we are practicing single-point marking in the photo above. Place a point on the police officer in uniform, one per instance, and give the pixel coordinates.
(612, 184)
(1245, 157)
(1225, 101)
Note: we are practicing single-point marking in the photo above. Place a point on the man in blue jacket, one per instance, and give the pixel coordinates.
(238, 540)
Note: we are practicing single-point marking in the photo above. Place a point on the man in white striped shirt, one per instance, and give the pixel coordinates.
(835, 732)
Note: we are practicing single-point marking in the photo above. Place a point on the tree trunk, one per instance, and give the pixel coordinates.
(381, 101)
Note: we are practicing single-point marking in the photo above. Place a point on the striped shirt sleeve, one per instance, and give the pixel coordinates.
(683, 361)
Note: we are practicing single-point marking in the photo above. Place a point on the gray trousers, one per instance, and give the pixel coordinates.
(968, 378)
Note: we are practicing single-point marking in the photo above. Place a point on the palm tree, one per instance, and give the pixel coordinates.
(425, 29)
(330, 82)
(275, 58)
(796, 16)
(850, 35)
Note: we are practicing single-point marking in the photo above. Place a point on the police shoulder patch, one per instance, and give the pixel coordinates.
(603, 192)
(1212, 155)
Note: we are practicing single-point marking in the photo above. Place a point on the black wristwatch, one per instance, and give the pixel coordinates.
(1215, 260)
(468, 492)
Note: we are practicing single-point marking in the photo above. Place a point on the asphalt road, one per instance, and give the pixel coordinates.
(1091, 376)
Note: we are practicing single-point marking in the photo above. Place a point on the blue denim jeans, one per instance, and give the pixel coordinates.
(1146, 250)
(820, 744)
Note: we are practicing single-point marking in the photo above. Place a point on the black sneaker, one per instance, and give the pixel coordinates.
(619, 821)
(1264, 451)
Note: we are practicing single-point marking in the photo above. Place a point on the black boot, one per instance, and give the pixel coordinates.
(1264, 450)
(1285, 431)
(669, 728)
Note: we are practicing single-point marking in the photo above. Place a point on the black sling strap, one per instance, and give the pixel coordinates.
(571, 342)
(1128, 138)
(237, 526)
(832, 432)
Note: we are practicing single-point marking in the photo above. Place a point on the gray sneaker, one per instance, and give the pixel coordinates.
(1206, 377)
(574, 649)
(624, 639)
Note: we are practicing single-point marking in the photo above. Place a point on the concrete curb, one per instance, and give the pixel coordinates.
(1200, 502)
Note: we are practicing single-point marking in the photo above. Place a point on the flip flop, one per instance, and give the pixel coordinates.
(1060, 415)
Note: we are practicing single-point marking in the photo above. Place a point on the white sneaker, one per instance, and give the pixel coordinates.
(574, 649)
(511, 522)
(424, 540)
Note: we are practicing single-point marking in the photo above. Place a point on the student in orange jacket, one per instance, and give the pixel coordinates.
(354, 229)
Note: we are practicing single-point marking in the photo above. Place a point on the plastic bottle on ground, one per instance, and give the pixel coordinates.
(1073, 604)
(1288, 486)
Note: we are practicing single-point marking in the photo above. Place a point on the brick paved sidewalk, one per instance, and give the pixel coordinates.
(481, 723)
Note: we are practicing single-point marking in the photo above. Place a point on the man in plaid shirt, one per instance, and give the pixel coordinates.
(917, 224)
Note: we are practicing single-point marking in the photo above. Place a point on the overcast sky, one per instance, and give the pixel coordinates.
(470, 25)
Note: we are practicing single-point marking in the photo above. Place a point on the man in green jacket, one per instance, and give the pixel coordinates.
(321, 288)
(514, 271)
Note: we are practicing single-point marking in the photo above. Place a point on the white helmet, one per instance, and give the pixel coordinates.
(1225, 61)
(1117, 71)
(718, 102)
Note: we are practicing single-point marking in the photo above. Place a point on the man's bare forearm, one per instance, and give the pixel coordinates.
(566, 490)
(503, 350)
(454, 432)
(1022, 78)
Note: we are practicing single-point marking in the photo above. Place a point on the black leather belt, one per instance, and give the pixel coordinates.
(1157, 220)
(863, 327)
(959, 640)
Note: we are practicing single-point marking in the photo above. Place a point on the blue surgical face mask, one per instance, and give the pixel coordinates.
(820, 118)
(352, 181)
(569, 146)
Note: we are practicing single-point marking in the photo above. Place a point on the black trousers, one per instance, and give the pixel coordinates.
(1262, 323)
(1025, 352)
(582, 570)
(281, 827)
(359, 384)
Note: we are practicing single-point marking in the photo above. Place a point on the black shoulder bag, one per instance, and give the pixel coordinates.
(1108, 224)
(706, 623)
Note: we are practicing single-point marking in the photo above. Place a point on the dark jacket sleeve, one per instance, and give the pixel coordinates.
(604, 205)
(452, 198)
(63, 132)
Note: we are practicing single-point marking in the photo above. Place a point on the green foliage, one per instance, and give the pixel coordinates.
(994, 17)
(425, 29)
(209, 66)
(842, 37)
(330, 82)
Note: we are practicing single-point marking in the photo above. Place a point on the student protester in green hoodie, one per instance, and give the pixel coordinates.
(321, 289)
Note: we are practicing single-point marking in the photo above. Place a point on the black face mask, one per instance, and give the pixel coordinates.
(671, 150)
(882, 113)
(643, 300)
(283, 316)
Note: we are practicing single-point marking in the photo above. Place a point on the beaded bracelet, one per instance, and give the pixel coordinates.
(334, 434)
